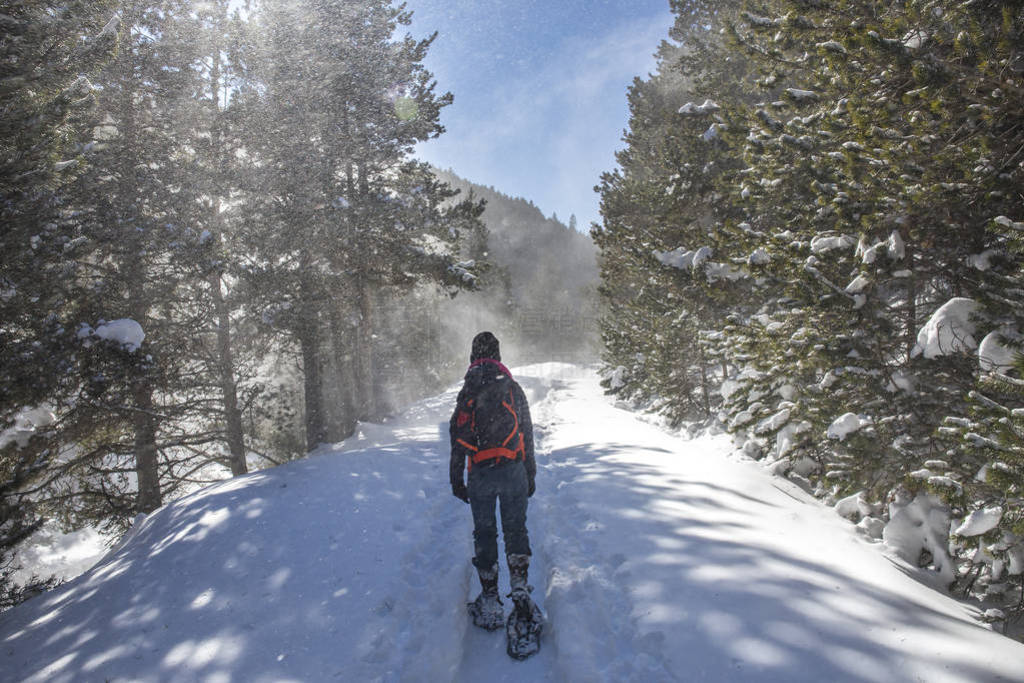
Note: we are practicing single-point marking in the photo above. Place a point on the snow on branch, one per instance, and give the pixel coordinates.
(821, 244)
(950, 330)
(1007, 223)
(980, 522)
(111, 27)
(691, 109)
(684, 259)
(846, 424)
(802, 96)
(125, 332)
(693, 260)
(994, 355)
(759, 21)
(832, 46)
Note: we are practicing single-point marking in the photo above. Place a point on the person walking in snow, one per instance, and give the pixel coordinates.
(492, 437)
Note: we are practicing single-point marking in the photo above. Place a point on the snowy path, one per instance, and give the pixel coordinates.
(656, 559)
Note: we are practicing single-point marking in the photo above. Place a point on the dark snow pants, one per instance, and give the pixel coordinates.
(505, 482)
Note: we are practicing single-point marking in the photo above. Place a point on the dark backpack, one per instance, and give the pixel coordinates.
(491, 423)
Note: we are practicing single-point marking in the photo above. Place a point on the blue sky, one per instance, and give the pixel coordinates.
(540, 91)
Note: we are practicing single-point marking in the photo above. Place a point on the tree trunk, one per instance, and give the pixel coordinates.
(309, 340)
(344, 376)
(705, 392)
(225, 356)
(911, 317)
(226, 370)
(366, 396)
(146, 457)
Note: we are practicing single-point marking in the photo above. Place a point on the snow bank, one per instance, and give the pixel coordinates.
(949, 330)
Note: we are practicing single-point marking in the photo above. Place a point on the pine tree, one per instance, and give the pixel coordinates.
(48, 53)
(656, 239)
(855, 207)
(341, 210)
(139, 209)
(849, 191)
(221, 118)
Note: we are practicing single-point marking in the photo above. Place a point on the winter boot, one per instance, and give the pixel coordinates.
(518, 569)
(526, 621)
(487, 611)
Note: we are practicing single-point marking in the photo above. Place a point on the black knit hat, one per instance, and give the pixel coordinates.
(485, 345)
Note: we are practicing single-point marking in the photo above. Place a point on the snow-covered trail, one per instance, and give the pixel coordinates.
(656, 558)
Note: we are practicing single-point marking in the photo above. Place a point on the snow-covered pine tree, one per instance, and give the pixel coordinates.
(805, 343)
(660, 285)
(48, 54)
(983, 468)
(224, 47)
(860, 173)
(139, 206)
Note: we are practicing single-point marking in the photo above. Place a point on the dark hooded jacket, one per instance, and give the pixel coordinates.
(481, 375)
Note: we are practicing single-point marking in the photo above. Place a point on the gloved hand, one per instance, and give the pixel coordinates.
(532, 486)
(459, 491)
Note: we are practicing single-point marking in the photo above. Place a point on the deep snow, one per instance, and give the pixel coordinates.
(655, 557)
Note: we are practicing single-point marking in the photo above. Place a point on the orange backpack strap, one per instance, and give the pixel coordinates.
(503, 451)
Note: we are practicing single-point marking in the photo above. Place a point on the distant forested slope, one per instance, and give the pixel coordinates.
(541, 290)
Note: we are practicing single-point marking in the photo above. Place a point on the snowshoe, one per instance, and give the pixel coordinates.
(524, 625)
(487, 611)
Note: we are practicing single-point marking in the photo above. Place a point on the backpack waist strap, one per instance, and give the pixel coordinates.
(492, 453)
